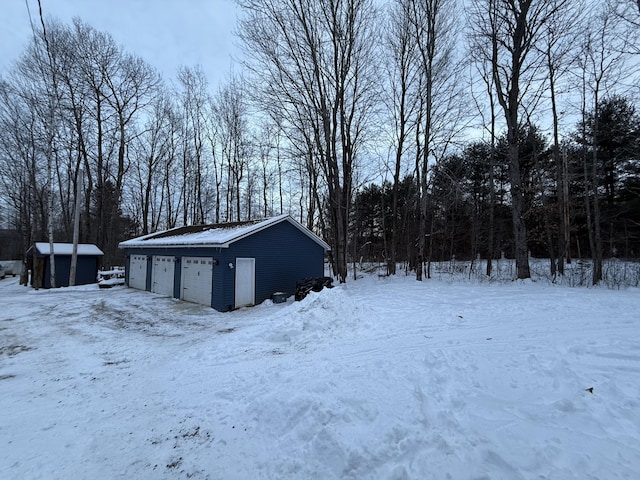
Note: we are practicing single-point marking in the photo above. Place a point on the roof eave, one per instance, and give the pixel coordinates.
(173, 245)
(282, 218)
(140, 242)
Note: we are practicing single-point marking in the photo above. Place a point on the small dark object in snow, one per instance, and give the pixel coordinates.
(175, 463)
(590, 390)
(279, 297)
(312, 284)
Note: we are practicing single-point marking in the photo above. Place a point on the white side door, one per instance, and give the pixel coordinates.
(138, 272)
(162, 275)
(245, 282)
(196, 280)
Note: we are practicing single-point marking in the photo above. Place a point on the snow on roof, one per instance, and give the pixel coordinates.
(67, 249)
(219, 235)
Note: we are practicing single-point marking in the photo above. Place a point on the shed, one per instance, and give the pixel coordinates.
(86, 268)
(227, 265)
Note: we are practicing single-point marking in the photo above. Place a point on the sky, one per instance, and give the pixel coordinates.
(166, 33)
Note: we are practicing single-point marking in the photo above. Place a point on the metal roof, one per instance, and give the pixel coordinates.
(84, 249)
(219, 235)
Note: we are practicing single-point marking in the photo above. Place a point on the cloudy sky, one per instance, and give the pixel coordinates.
(166, 33)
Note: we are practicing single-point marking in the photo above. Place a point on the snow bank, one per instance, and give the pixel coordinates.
(379, 378)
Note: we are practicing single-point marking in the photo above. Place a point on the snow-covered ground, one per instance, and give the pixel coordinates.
(382, 378)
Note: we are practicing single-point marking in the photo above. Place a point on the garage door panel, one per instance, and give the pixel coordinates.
(163, 275)
(138, 272)
(197, 280)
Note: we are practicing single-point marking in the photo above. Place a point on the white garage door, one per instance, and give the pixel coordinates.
(138, 272)
(197, 280)
(162, 275)
(245, 281)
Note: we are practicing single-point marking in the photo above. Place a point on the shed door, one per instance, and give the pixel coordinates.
(138, 272)
(197, 280)
(162, 275)
(245, 281)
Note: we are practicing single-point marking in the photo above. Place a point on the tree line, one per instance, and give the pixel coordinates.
(406, 132)
(470, 211)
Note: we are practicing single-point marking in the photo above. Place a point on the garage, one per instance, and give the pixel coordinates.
(162, 275)
(87, 262)
(197, 280)
(138, 272)
(229, 265)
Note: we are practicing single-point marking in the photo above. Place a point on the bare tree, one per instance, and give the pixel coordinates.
(195, 98)
(99, 95)
(601, 64)
(558, 48)
(44, 71)
(483, 70)
(21, 164)
(133, 85)
(231, 116)
(403, 76)
(171, 186)
(506, 31)
(95, 59)
(629, 11)
(152, 148)
(267, 144)
(441, 112)
(315, 61)
(214, 142)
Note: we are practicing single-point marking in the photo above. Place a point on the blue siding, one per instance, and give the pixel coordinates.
(86, 270)
(176, 277)
(283, 255)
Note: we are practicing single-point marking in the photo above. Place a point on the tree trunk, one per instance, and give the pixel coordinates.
(76, 230)
(517, 213)
(566, 227)
(596, 253)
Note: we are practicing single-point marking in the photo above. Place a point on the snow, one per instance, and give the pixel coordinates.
(379, 378)
(210, 236)
(111, 278)
(215, 236)
(67, 249)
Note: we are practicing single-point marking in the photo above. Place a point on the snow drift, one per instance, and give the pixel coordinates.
(379, 378)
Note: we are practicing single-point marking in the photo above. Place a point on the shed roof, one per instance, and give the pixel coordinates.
(219, 235)
(84, 249)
